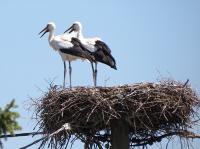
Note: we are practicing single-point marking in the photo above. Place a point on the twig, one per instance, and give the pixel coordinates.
(186, 83)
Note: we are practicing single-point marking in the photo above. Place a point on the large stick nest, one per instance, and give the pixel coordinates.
(151, 111)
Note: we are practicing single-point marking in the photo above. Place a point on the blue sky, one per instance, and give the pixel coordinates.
(150, 40)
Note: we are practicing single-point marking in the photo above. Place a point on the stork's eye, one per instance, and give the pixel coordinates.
(76, 27)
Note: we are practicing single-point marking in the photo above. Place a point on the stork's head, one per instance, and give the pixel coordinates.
(50, 27)
(76, 27)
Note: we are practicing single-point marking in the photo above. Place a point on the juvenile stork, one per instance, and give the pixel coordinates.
(68, 47)
(96, 46)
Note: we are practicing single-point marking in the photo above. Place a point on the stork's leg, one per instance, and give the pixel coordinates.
(64, 73)
(93, 73)
(70, 75)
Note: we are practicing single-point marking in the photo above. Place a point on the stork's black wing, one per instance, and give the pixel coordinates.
(78, 50)
(103, 46)
(103, 54)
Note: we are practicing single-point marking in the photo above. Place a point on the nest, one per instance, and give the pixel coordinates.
(152, 111)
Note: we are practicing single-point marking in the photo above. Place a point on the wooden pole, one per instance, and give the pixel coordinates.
(119, 135)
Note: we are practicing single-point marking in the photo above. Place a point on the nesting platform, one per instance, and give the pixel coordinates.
(151, 110)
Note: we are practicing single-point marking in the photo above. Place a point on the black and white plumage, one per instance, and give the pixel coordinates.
(96, 46)
(68, 47)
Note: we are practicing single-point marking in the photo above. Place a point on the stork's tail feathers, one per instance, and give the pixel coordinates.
(111, 61)
(114, 67)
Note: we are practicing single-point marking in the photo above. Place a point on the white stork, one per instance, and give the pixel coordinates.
(68, 47)
(96, 46)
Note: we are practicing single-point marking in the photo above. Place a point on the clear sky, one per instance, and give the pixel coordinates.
(150, 40)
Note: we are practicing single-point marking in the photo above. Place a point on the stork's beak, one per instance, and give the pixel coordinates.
(45, 30)
(71, 29)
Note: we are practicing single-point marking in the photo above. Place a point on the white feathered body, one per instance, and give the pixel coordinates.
(89, 43)
(63, 42)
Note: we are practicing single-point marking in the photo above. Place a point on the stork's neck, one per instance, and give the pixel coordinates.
(80, 35)
(51, 35)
